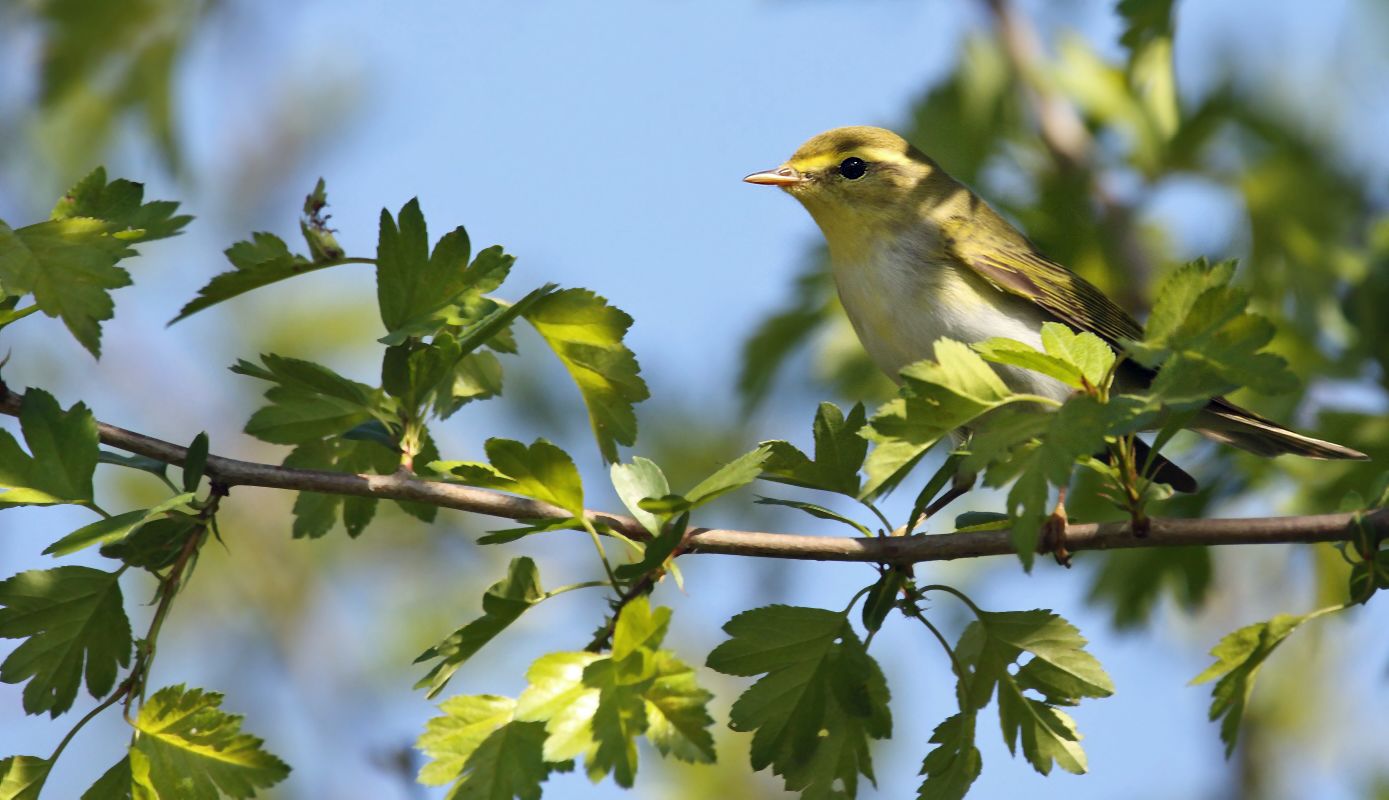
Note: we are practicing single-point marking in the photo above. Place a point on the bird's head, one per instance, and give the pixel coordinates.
(859, 183)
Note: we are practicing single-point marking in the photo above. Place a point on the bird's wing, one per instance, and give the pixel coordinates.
(1014, 266)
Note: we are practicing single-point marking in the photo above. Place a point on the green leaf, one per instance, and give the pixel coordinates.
(817, 511)
(1205, 341)
(307, 401)
(951, 768)
(981, 521)
(658, 551)
(480, 747)
(22, 777)
(677, 711)
(881, 599)
(62, 454)
(1238, 658)
(259, 261)
(938, 397)
(142, 463)
(732, 476)
(69, 262)
(315, 513)
(839, 453)
(597, 705)
(413, 285)
(114, 784)
(637, 481)
(541, 471)
(503, 603)
(120, 205)
(1085, 351)
(1018, 354)
(155, 544)
(820, 699)
(1048, 734)
(195, 462)
(586, 334)
(69, 265)
(113, 528)
(186, 746)
(1060, 670)
(67, 616)
(1035, 449)
(639, 627)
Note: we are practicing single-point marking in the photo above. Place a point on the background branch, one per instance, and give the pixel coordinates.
(892, 549)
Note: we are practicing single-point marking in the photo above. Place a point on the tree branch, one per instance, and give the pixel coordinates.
(891, 549)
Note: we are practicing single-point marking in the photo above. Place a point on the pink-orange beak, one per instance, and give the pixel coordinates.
(781, 176)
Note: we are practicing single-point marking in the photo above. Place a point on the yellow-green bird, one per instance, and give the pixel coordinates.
(918, 257)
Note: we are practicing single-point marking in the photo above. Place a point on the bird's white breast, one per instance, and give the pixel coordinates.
(900, 303)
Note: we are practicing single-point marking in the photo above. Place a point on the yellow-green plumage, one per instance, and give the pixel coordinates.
(917, 256)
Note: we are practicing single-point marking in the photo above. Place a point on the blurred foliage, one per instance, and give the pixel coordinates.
(1072, 143)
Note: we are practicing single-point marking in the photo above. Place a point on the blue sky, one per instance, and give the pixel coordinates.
(604, 146)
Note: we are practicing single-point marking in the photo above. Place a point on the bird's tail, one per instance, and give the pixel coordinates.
(1226, 422)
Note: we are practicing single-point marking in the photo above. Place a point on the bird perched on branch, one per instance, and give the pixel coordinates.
(917, 257)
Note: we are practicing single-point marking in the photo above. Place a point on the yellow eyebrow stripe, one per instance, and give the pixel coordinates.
(823, 160)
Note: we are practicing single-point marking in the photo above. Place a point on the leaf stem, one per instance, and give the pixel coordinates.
(572, 586)
(978, 612)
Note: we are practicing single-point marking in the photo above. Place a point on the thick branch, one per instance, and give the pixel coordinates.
(893, 549)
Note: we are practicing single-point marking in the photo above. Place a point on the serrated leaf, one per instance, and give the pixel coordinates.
(22, 777)
(639, 627)
(839, 453)
(259, 261)
(732, 476)
(938, 397)
(1238, 658)
(1205, 342)
(951, 768)
(69, 266)
(479, 745)
(113, 528)
(315, 513)
(1048, 734)
(1085, 351)
(540, 471)
(818, 678)
(502, 604)
(307, 401)
(587, 335)
(1019, 354)
(62, 454)
(120, 205)
(677, 711)
(597, 705)
(186, 746)
(72, 621)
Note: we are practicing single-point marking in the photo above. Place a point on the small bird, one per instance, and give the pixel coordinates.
(917, 257)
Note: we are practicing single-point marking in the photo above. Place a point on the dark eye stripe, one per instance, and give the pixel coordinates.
(853, 168)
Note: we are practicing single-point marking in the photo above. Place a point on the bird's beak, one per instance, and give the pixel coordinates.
(781, 176)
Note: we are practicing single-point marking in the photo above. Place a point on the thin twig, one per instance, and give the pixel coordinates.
(886, 550)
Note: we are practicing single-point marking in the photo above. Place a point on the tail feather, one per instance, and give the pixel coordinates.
(1226, 422)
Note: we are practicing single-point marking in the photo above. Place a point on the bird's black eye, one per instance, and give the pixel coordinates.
(853, 168)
